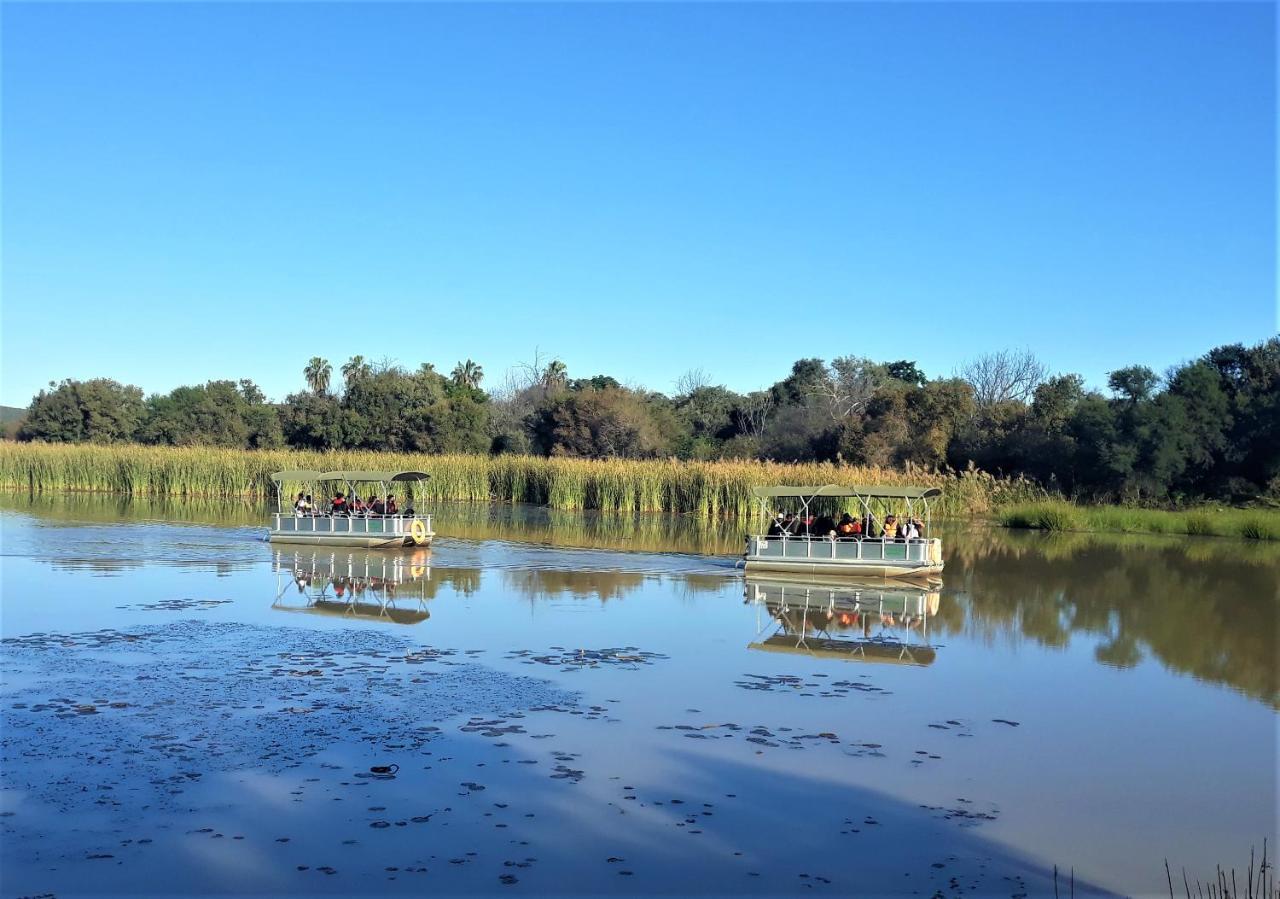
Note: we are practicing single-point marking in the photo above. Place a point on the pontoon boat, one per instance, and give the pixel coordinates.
(321, 526)
(869, 554)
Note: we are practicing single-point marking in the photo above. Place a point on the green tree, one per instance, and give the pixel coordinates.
(1134, 383)
(905, 371)
(95, 411)
(555, 376)
(467, 374)
(317, 373)
(935, 412)
(354, 369)
(807, 377)
(596, 424)
(312, 421)
(219, 413)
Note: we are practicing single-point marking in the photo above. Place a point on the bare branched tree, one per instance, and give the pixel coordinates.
(693, 379)
(753, 414)
(528, 374)
(849, 384)
(1006, 375)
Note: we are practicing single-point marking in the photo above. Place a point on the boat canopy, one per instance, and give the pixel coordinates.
(349, 476)
(860, 492)
(303, 476)
(387, 476)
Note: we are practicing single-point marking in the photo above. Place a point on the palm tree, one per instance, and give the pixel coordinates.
(467, 374)
(555, 374)
(317, 374)
(354, 368)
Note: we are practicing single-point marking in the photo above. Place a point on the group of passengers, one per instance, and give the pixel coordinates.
(788, 524)
(352, 508)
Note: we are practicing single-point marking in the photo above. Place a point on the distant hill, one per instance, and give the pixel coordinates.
(10, 413)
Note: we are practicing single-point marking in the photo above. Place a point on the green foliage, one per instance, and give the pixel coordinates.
(721, 488)
(97, 411)
(220, 413)
(1062, 516)
(1134, 383)
(596, 423)
(1210, 429)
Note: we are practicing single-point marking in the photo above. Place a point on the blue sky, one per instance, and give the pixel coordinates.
(219, 191)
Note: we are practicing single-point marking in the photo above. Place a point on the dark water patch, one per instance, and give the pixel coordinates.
(794, 684)
(138, 716)
(177, 605)
(575, 659)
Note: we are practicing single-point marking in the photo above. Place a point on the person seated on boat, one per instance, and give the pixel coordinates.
(848, 528)
(357, 505)
(911, 530)
(301, 506)
(775, 526)
(379, 508)
(890, 530)
(392, 509)
(791, 526)
(311, 507)
(340, 506)
(822, 526)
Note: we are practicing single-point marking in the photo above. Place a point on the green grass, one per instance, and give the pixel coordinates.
(612, 485)
(1252, 524)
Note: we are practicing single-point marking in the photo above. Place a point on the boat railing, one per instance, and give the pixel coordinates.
(790, 546)
(298, 523)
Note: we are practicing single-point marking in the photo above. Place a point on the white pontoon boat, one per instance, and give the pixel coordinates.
(322, 525)
(797, 549)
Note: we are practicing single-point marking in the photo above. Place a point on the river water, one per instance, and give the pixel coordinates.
(567, 703)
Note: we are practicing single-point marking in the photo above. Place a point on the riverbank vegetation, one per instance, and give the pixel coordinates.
(1051, 515)
(1208, 429)
(659, 485)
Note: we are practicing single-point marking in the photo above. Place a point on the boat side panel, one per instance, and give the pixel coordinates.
(847, 569)
(346, 540)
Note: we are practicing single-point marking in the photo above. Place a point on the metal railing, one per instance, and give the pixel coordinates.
(840, 550)
(285, 522)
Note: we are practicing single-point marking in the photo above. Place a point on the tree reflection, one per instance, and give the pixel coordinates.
(1206, 607)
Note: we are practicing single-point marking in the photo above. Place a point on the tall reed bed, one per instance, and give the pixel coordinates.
(1252, 524)
(611, 485)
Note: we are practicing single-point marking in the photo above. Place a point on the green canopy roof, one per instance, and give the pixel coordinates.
(353, 476)
(374, 476)
(834, 490)
(301, 475)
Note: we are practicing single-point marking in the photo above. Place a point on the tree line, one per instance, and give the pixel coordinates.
(1208, 428)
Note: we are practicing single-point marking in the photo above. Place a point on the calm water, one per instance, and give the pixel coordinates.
(598, 705)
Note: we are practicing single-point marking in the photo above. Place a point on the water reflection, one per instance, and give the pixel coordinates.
(866, 621)
(1207, 607)
(380, 586)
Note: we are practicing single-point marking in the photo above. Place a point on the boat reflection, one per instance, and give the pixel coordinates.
(865, 621)
(378, 586)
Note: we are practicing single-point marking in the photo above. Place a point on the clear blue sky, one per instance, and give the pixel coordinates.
(198, 191)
